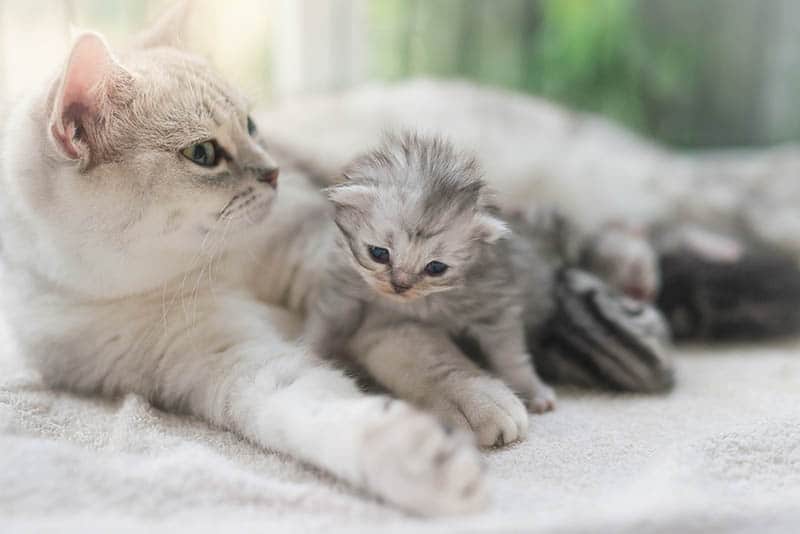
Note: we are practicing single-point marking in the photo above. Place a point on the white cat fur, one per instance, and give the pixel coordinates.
(120, 275)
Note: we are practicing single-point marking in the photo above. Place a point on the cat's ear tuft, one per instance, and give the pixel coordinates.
(91, 79)
(351, 196)
(169, 29)
(489, 229)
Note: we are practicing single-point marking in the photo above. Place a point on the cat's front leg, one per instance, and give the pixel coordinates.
(424, 366)
(237, 371)
(332, 318)
(502, 341)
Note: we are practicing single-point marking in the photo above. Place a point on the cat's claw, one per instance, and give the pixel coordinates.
(414, 463)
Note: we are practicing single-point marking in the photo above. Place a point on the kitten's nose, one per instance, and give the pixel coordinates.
(269, 176)
(400, 288)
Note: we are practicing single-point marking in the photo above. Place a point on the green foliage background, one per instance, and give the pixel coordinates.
(691, 73)
(688, 72)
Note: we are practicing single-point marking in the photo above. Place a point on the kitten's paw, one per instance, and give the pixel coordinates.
(483, 405)
(540, 399)
(538, 396)
(413, 462)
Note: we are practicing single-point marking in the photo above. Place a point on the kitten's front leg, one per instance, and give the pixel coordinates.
(235, 370)
(424, 366)
(503, 343)
(331, 320)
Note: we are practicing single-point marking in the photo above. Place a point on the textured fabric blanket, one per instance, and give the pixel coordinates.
(722, 452)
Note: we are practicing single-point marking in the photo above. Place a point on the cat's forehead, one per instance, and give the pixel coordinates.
(414, 225)
(426, 181)
(424, 210)
(179, 97)
(180, 73)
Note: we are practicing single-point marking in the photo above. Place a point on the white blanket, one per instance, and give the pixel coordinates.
(722, 452)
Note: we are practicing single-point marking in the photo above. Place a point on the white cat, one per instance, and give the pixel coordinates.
(144, 250)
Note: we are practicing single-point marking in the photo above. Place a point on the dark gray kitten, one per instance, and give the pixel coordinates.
(420, 242)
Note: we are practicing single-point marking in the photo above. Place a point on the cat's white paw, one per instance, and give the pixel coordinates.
(482, 405)
(413, 462)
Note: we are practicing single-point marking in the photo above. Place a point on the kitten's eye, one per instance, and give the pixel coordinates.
(379, 254)
(203, 154)
(435, 268)
(251, 126)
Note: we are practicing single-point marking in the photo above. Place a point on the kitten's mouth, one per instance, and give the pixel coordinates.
(406, 296)
(251, 204)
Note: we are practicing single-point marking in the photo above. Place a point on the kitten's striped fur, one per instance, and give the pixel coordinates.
(423, 200)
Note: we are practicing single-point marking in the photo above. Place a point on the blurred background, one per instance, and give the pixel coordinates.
(690, 73)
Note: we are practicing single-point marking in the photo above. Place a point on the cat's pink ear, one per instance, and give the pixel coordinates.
(169, 28)
(352, 196)
(490, 229)
(89, 77)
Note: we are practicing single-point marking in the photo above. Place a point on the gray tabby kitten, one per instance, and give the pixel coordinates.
(420, 243)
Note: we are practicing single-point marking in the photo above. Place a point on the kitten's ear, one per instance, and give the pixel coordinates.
(489, 229)
(351, 196)
(91, 78)
(168, 29)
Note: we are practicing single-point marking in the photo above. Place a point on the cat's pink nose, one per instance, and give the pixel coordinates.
(269, 176)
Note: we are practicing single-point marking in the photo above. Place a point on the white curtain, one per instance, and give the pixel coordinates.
(274, 48)
(319, 45)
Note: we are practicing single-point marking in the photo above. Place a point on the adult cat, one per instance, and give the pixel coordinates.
(697, 232)
(143, 250)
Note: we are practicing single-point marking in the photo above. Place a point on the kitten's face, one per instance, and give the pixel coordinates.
(151, 154)
(403, 262)
(407, 237)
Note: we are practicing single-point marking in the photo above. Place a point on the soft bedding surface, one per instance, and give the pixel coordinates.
(720, 453)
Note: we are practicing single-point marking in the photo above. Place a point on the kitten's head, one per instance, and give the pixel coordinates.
(414, 216)
(149, 152)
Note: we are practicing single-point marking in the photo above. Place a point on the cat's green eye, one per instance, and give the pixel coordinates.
(203, 154)
(251, 126)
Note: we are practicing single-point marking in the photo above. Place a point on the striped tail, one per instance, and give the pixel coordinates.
(598, 338)
(754, 298)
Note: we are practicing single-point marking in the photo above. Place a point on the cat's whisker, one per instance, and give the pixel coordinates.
(215, 255)
(133, 244)
(205, 269)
